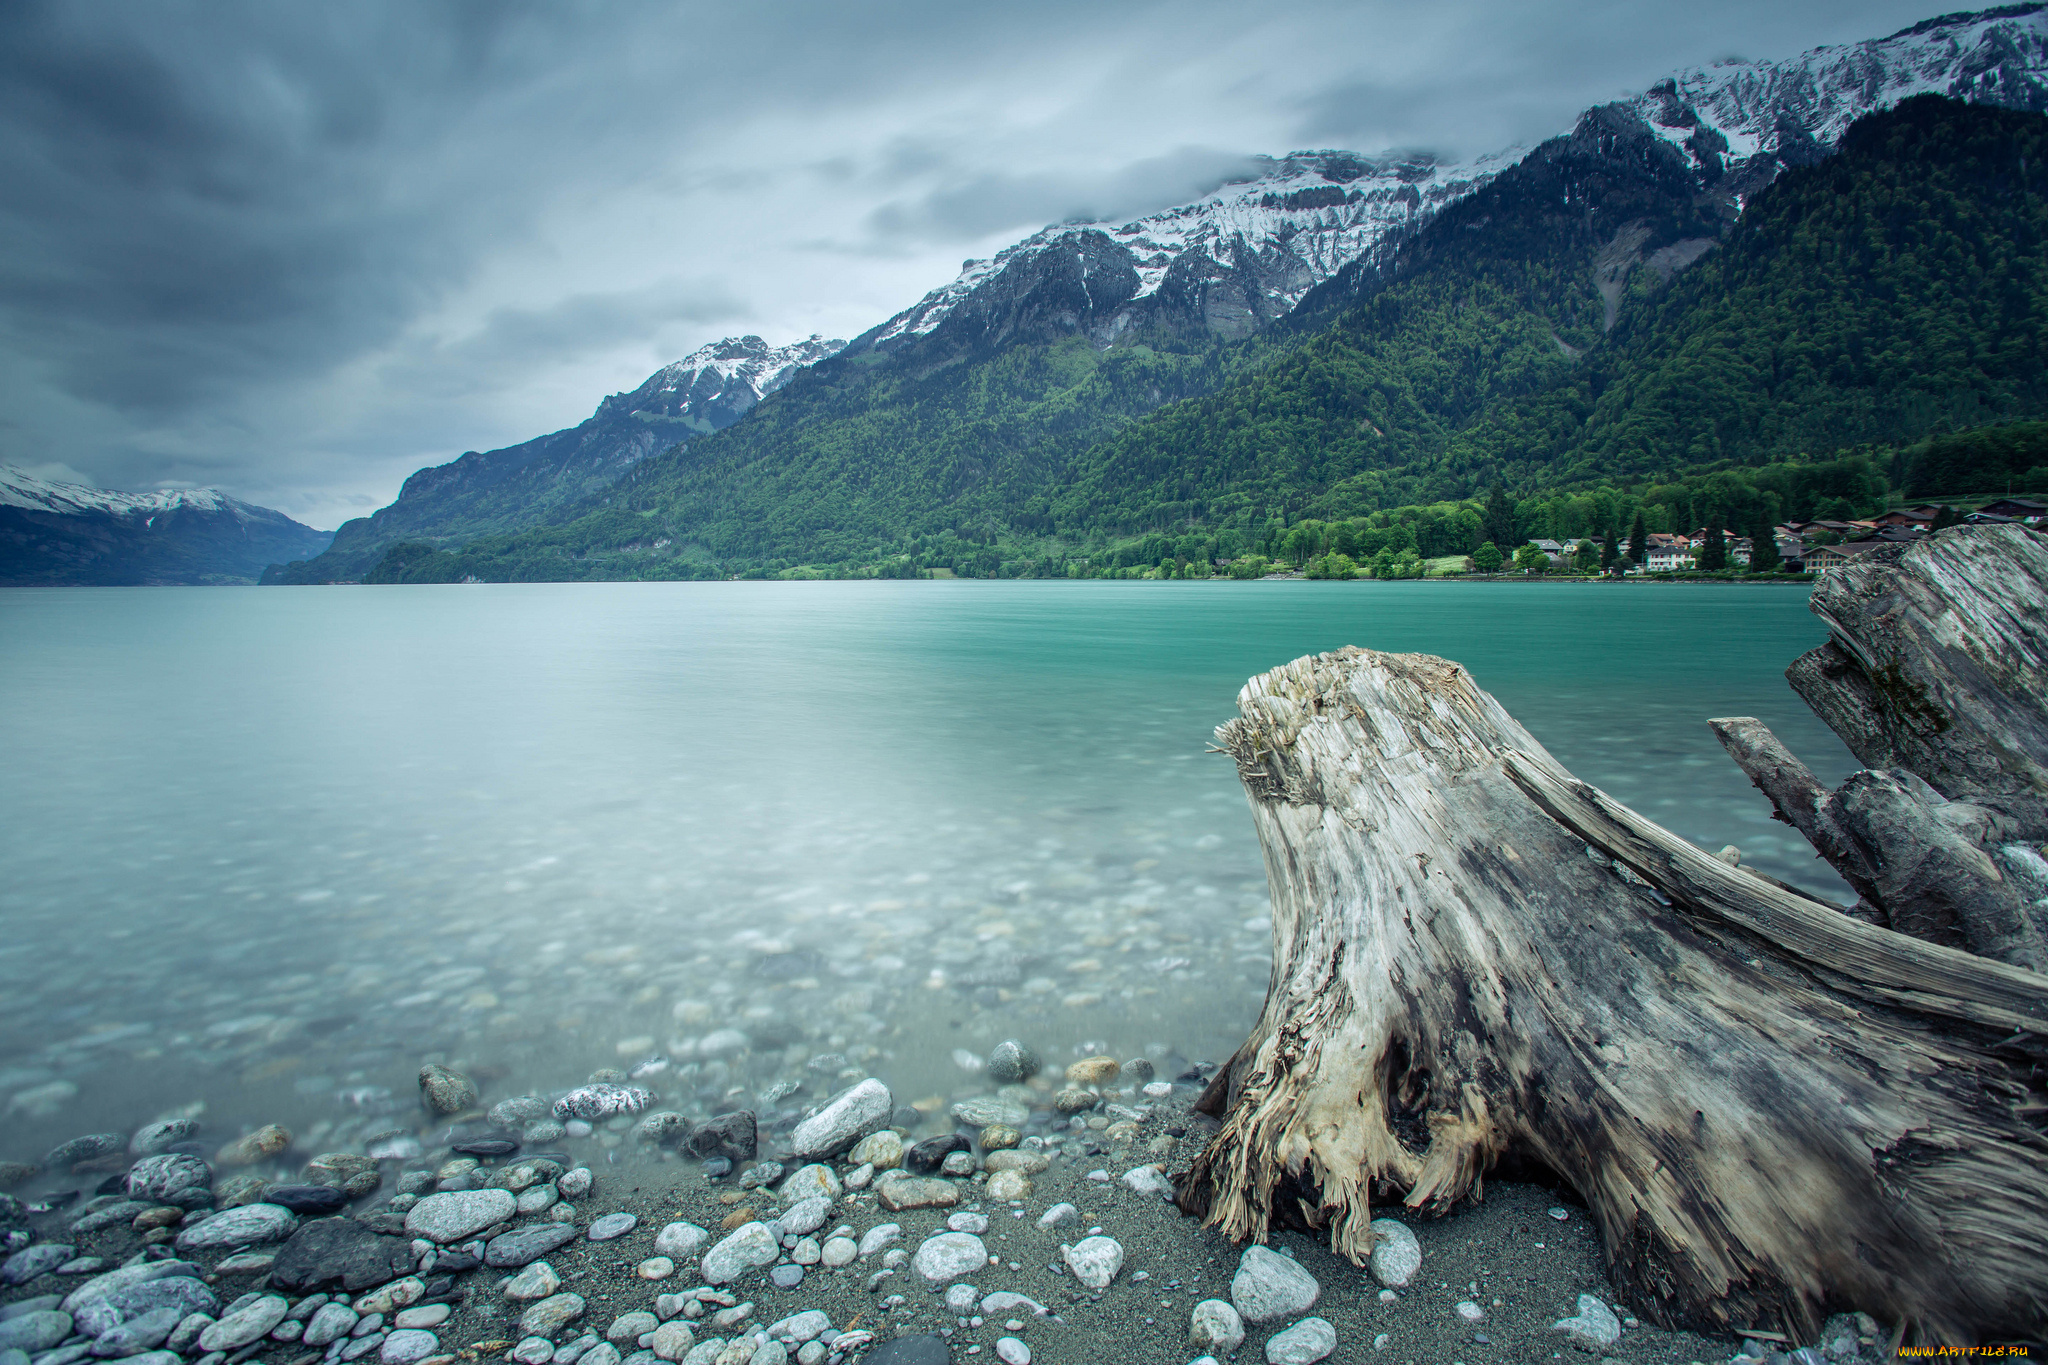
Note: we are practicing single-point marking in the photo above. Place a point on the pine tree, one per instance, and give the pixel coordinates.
(1609, 551)
(1498, 525)
(1714, 555)
(1944, 518)
(1638, 541)
(1763, 547)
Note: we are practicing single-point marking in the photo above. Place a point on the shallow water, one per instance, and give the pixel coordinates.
(270, 850)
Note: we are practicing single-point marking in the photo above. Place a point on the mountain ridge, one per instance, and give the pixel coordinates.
(62, 534)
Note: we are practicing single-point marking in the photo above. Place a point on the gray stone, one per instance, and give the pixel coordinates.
(250, 1225)
(950, 1255)
(1057, 1214)
(1214, 1328)
(333, 1322)
(612, 1226)
(815, 1181)
(604, 1353)
(534, 1351)
(110, 1215)
(742, 1250)
(1149, 1180)
(182, 1293)
(352, 1173)
(1306, 1342)
(518, 1248)
(1396, 1255)
(551, 1314)
(1268, 1286)
(40, 1259)
(631, 1326)
(408, 1346)
(163, 1177)
(144, 1332)
(663, 1128)
(918, 1192)
(882, 1150)
(537, 1281)
(603, 1100)
(339, 1253)
(838, 1252)
(1593, 1328)
(984, 1110)
(769, 1353)
(680, 1240)
(801, 1327)
(879, 1236)
(40, 1303)
(451, 1217)
(88, 1148)
(1012, 1351)
(517, 1110)
(101, 1286)
(804, 1216)
(444, 1091)
(245, 1323)
(845, 1120)
(673, 1339)
(185, 1335)
(574, 1183)
(1005, 1302)
(734, 1136)
(1095, 1261)
(34, 1332)
(786, 1276)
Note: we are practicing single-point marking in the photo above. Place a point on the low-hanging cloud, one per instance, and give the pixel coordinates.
(300, 250)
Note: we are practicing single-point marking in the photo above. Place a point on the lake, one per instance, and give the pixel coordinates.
(268, 851)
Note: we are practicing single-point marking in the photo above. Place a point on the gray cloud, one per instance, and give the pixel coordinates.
(299, 251)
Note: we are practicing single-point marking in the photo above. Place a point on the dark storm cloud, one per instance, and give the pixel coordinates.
(299, 250)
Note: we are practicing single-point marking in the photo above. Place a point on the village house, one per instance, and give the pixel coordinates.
(1668, 558)
(2024, 510)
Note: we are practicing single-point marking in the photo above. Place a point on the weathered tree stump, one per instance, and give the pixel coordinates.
(1773, 1109)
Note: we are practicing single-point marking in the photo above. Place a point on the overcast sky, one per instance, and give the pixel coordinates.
(298, 251)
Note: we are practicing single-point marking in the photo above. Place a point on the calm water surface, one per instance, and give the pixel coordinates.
(266, 851)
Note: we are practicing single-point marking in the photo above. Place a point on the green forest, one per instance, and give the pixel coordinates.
(1870, 327)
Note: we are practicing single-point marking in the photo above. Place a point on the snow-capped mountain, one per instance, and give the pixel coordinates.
(70, 533)
(1249, 252)
(713, 387)
(1282, 233)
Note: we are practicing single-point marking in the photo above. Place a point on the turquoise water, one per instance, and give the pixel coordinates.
(269, 850)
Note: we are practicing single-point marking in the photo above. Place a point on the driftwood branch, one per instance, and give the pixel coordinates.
(1772, 1109)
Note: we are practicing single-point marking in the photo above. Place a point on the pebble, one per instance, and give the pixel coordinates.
(1269, 1286)
(1470, 1312)
(523, 1245)
(1011, 1351)
(602, 1100)
(915, 1192)
(332, 1322)
(950, 1255)
(1396, 1255)
(631, 1326)
(837, 1252)
(655, 1268)
(882, 1150)
(242, 1325)
(574, 1183)
(1057, 1214)
(408, 1347)
(1215, 1328)
(612, 1226)
(804, 1216)
(1095, 1261)
(392, 1297)
(249, 1225)
(930, 1155)
(742, 1250)
(1149, 1180)
(261, 1145)
(680, 1240)
(307, 1200)
(1593, 1328)
(551, 1314)
(1092, 1071)
(1009, 1185)
(172, 1173)
(786, 1276)
(451, 1217)
(34, 1332)
(879, 1236)
(673, 1339)
(1306, 1342)
(845, 1120)
(536, 1281)
(534, 1351)
(24, 1266)
(426, 1315)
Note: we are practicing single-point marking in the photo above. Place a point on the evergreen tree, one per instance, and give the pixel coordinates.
(1486, 558)
(1944, 518)
(1638, 541)
(1498, 524)
(1714, 555)
(1763, 547)
(1609, 551)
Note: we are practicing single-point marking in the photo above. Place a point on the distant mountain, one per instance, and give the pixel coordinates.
(54, 534)
(983, 410)
(502, 490)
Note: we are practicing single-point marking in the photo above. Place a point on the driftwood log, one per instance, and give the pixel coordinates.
(1774, 1109)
